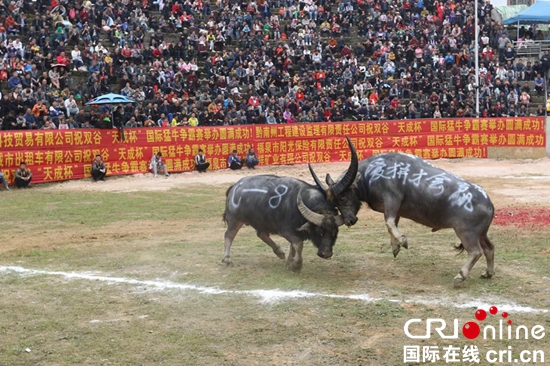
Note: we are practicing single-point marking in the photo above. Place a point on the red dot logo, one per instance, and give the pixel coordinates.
(481, 314)
(493, 310)
(471, 330)
(505, 315)
(509, 321)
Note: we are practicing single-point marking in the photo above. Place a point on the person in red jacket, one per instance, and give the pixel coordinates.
(254, 102)
(176, 9)
(62, 59)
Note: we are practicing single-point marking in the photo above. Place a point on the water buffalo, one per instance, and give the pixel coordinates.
(403, 185)
(291, 208)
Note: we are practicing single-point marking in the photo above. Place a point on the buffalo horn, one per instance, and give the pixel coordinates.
(348, 179)
(313, 217)
(316, 179)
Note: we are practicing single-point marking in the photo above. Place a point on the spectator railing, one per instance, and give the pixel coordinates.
(531, 48)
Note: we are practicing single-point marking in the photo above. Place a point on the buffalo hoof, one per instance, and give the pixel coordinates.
(458, 281)
(294, 267)
(281, 255)
(404, 242)
(227, 261)
(487, 274)
(396, 251)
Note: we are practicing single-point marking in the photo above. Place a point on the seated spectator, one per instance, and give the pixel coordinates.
(14, 81)
(3, 181)
(49, 125)
(200, 162)
(157, 165)
(525, 99)
(251, 159)
(99, 170)
(9, 122)
(234, 162)
(71, 106)
(23, 176)
(539, 84)
(63, 123)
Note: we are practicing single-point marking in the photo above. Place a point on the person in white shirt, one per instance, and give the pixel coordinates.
(359, 88)
(100, 49)
(317, 58)
(158, 165)
(355, 100)
(71, 106)
(19, 47)
(77, 58)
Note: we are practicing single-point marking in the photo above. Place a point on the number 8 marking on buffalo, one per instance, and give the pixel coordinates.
(275, 201)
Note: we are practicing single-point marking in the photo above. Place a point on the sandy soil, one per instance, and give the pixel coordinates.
(508, 181)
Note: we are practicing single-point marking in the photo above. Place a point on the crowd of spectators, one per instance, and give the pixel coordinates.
(194, 62)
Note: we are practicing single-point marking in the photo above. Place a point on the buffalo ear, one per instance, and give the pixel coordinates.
(305, 227)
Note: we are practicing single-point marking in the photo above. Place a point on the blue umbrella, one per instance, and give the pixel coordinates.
(111, 98)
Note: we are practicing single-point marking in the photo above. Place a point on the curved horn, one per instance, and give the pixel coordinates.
(316, 179)
(313, 217)
(339, 220)
(348, 179)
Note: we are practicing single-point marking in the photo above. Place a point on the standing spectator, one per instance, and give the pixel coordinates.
(99, 170)
(539, 84)
(251, 159)
(23, 176)
(157, 165)
(200, 162)
(502, 44)
(545, 62)
(3, 181)
(234, 162)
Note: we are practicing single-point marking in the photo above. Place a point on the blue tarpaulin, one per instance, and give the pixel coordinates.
(539, 12)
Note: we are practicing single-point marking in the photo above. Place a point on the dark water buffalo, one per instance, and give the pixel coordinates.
(291, 208)
(403, 185)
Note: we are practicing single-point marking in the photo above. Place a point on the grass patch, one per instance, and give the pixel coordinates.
(177, 235)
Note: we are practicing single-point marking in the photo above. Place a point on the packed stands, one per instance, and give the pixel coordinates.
(227, 62)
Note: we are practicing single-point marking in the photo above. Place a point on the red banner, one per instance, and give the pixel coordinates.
(68, 154)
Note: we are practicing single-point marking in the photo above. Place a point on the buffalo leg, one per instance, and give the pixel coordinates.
(230, 233)
(489, 251)
(276, 249)
(291, 255)
(295, 264)
(473, 248)
(394, 243)
(391, 218)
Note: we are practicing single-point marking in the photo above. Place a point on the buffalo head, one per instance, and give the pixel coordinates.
(322, 228)
(339, 193)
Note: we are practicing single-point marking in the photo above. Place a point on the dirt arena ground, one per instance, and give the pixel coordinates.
(128, 272)
(509, 173)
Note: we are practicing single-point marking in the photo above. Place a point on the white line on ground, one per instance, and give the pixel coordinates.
(534, 177)
(268, 295)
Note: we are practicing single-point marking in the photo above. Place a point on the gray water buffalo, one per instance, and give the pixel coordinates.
(403, 185)
(290, 208)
